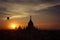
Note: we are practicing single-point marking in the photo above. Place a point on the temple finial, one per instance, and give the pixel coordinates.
(30, 17)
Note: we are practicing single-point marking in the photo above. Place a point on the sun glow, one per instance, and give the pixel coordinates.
(13, 26)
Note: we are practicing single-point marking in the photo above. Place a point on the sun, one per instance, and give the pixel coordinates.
(13, 26)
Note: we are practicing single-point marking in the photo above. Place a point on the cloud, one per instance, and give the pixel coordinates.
(50, 10)
(2, 10)
(24, 7)
(30, 1)
(51, 13)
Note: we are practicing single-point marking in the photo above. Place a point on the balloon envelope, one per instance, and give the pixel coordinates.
(7, 18)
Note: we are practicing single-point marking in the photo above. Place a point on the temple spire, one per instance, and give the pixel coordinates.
(30, 24)
(30, 18)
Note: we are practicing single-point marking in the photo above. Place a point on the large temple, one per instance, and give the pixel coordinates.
(30, 25)
(30, 32)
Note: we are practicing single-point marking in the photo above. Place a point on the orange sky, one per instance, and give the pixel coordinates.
(23, 22)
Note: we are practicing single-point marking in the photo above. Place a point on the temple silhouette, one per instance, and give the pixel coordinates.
(30, 24)
(29, 33)
(31, 27)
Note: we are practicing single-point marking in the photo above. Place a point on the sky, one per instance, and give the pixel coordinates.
(45, 13)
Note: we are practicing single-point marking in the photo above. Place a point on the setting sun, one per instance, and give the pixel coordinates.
(13, 26)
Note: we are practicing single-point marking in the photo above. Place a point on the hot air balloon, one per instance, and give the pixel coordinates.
(8, 18)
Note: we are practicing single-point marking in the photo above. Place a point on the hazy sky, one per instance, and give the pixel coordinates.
(45, 13)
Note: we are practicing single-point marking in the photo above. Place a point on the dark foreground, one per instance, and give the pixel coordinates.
(29, 35)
